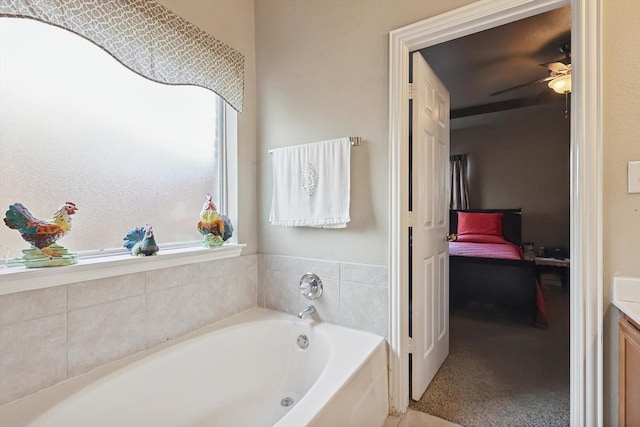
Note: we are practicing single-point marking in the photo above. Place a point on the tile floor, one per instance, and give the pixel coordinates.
(417, 419)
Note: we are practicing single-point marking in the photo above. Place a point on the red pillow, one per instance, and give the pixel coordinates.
(480, 223)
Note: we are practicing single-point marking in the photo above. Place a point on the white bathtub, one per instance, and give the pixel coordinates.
(234, 373)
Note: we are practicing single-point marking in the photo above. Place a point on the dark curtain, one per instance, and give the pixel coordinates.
(459, 182)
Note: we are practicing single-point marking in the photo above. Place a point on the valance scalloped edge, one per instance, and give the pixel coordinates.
(147, 38)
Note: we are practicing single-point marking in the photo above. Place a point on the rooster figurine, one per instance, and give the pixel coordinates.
(215, 228)
(141, 242)
(41, 233)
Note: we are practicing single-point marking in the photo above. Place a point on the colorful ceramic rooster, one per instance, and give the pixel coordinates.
(228, 227)
(215, 228)
(40, 233)
(141, 242)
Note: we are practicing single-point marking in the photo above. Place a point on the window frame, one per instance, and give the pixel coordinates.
(103, 263)
(94, 265)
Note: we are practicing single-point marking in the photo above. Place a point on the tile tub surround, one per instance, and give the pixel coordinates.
(49, 335)
(354, 296)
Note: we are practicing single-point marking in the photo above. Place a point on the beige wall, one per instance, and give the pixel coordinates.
(621, 138)
(621, 134)
(520, 159)
(232, 21)
(323, 73)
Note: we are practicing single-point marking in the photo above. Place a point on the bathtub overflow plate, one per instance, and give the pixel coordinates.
(286, 402)
(303, 341)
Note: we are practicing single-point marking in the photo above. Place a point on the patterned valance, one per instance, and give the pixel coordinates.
(146, 37)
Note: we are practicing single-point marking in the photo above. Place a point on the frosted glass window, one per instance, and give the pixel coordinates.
(76, 125)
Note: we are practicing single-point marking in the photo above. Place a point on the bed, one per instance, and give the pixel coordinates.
(487, 268)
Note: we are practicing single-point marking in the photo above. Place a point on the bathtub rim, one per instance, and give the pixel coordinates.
(298, 414)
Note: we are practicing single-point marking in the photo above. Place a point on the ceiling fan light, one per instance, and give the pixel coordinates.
(561, 84)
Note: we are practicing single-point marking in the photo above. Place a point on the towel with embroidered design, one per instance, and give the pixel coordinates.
(311, 184)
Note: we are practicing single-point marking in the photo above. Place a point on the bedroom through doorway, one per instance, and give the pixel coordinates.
(515, 132)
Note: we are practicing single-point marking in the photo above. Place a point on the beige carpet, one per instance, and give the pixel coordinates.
(505, 374)
(417, 419)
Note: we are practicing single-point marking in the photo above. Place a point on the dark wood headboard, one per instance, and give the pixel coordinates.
(511, 222)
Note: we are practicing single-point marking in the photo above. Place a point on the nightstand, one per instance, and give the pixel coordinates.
(554, 265)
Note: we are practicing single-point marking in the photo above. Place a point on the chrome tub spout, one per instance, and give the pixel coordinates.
(307, 311)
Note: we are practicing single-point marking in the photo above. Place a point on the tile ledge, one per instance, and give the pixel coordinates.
(18, 279)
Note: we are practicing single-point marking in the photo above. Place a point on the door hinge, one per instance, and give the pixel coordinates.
(409, 219)
(411, 345)
(411, 90)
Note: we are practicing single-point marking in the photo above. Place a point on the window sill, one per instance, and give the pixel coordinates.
(17, 279)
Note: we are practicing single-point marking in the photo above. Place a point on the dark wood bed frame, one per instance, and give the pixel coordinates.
(505, 283)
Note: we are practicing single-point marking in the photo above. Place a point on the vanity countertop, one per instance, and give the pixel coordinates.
(625, 296)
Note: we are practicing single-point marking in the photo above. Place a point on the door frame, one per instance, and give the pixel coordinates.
(586, 187)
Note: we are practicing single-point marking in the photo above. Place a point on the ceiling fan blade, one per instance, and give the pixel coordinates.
(500, 92)
(561, 64)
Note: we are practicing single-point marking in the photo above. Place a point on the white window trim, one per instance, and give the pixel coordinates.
(229, 177)
(18, 279)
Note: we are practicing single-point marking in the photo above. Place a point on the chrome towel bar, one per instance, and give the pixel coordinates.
(355, 141)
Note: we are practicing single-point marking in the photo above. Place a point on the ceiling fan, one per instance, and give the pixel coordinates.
(559, 78)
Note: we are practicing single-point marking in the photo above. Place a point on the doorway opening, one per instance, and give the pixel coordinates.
(511, 127)
(586, 209)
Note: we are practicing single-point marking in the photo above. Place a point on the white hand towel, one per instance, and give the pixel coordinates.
(311, 184)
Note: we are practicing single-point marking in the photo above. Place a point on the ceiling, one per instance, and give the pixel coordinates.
(475, 66)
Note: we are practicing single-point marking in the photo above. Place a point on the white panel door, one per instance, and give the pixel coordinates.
(430, 222)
